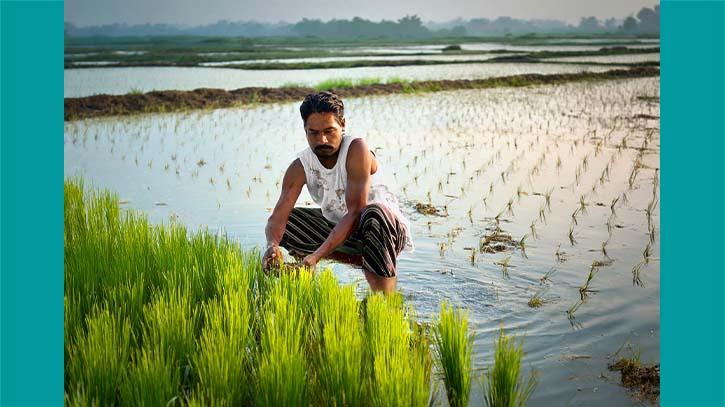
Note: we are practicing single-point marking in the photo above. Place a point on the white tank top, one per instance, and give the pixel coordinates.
(327, 187)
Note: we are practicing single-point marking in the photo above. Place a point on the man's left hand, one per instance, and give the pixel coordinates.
(309, 261)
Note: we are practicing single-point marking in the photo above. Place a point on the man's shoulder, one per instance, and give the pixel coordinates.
(296, 170)
(357, 148)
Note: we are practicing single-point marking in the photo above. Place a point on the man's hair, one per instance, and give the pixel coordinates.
(322, 102)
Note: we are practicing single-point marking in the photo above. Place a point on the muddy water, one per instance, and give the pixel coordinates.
(118, 81)
(221, 170)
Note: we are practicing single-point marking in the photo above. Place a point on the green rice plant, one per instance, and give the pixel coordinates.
(574, 307)
(453, 347)
(98, 359)
(504, 266)
(584, 288)
(537, 299)
(646, 252)
(221, 363)
(582, 205)
(337, 83)
(503, 384)
(170, 326)
(340, 352)
(604, 248)
(547, 196)
(559, 254)
(282, 365)
(533, 229)
(400, 366)
(152, 380)
(572, 239)
(573, 216)
(636, 274)
(509, 206)
(611, 206)
(546, 278)
(522, 245)
(542, 213)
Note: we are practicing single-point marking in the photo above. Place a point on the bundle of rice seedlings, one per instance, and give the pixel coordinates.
(170, 326)
(453, 346)
(340, 354)
(152, 380)
(221, 363)
(503, 384)
(98, 359)
(281, 362)
(400, 372)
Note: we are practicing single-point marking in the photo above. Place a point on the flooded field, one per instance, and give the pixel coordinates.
(439, 57)
(610, 59)
(118, 81)
(545, 205)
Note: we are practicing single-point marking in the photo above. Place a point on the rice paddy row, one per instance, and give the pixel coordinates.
(156, 315)
(168, 101)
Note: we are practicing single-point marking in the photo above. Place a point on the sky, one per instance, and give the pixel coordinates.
(202, 12)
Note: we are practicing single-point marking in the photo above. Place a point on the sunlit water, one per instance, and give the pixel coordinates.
(117, 80)
(222, 170)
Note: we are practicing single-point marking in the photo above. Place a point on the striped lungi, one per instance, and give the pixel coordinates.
(379, 237)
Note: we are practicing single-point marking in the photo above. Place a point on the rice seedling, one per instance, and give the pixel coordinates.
(97, 360)
(574, 307)
(573, 216)
(582, 205)
(504, 265)
(542, 214)
(604, 248)
(281, 369)
(572, 239)
(613, 204)
(522, 245)
(453, 348)
(646, 252)
(532, 227)
(509, 206)
(537, 300)
(503, 385)
(442, 247)
(473, 256)
(340, 350)
(636, 274)
(152, 380)
(546, 278)
(401, 367)
(584, 288)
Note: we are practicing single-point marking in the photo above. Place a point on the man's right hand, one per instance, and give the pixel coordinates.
(272, 257)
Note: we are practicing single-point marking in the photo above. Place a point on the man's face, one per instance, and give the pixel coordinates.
(324, 133)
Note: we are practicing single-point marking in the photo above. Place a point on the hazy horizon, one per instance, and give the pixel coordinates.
(84, 13)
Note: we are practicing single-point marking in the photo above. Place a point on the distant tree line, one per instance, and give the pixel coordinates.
(647, 21)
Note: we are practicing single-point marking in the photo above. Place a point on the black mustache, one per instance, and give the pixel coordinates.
(324, 147)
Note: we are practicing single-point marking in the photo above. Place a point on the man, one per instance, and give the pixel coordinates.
(357, 216)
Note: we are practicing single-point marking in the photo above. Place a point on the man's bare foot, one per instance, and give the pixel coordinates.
(378, 283)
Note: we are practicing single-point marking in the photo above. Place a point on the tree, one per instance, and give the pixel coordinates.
(629, 25)
(589, 24)
(649, 20)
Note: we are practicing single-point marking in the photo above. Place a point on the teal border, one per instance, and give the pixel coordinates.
(692, 203)
(31, 203)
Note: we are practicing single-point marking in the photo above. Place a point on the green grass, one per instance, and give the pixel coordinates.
(453, 350)
(503, 384)
(156, 315)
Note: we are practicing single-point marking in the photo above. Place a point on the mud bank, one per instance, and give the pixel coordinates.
(171, 100)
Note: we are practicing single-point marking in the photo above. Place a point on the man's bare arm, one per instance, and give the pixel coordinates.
(294, 179)
(358, 165)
